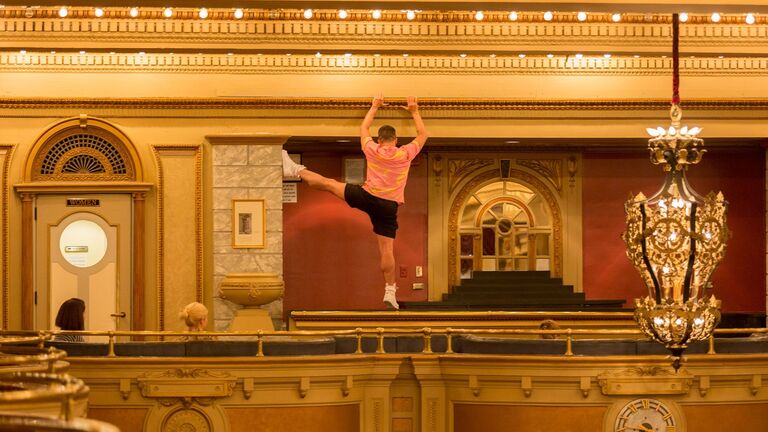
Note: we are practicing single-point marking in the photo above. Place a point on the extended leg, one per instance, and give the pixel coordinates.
(313, 179)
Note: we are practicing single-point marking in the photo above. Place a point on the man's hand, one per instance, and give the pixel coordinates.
(378, 100)
(413, 104)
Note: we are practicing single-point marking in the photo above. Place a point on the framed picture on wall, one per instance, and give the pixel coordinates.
(249, 223)
(354, 170)
(296, 157)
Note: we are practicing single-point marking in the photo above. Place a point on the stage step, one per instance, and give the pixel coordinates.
(510, 290)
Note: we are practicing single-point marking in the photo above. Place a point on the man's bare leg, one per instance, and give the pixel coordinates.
(313, 179)
(319, 182)
(387, 254)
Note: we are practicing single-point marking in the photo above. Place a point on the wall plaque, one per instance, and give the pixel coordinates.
(83, 202)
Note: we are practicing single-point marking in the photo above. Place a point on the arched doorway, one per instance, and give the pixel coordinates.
(504, 226)
(83, 226)
(509, 222)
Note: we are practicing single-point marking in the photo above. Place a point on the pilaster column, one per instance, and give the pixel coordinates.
(137, 312)
(27, 261)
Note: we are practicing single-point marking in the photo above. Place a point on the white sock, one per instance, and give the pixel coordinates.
(388, 287)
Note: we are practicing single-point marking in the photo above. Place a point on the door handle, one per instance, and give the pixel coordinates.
(118, 315)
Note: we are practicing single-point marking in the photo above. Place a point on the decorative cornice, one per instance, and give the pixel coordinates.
(378, 65)
(426, 104)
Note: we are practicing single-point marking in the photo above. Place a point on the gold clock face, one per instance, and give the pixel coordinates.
(645, 415)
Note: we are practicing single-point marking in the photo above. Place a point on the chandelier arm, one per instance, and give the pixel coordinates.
(691, 255)
(644, 248)
(675, 59)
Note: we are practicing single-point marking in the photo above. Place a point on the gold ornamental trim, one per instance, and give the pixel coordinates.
(367, 63)
(5, 194)
(428, 104)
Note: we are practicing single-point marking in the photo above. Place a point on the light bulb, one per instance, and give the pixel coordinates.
(343, 14)
(673, 236)
(579, 55)
(411, 15)
(308, 13)
(684, 130)
(462, 55)
(22, 52)
(405, 55)
(607, 55)
(167, 12)
(678, 321)
(683, 17)
(203, 13)
(672, 130)
(82, 52)
(708, 235)
(694, 131)
(521, 55)
(318, 54)
(134, 12)
(665, 269)
(581, 16)
(616, 17)
(550, 55)
(492, 56)
(376, 14)
(715, 17)
(239, 14)
(63, 12)
(658, 321)
(750, 19)
(698, 321)
(347, 54)
(652, 132)
(98, 12)
(548, 16)
(513, 16)
(479, 15)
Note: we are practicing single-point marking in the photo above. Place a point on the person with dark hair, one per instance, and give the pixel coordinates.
(383, 190)
(71, 317)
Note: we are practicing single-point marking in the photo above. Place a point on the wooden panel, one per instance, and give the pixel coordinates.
(402, 404)
(340, 418)
(504, 418)
(127, 419)
(402, 425)
(747, 417)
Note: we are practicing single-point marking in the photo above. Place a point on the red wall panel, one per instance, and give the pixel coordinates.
(608, 178)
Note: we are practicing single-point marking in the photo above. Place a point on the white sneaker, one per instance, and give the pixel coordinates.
(389, 297)
(290, 168)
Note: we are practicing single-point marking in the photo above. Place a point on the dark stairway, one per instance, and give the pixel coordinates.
(514, 290)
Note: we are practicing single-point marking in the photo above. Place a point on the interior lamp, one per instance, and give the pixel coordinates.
(676, 238)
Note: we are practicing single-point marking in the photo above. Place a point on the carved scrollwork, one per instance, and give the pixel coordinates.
(459, 169)
(549, 169)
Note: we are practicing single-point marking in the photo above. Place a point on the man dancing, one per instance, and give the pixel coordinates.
(383, 190)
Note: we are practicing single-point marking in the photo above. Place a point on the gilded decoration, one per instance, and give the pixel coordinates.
(363, 63)
(550, 169)
(459, 169)
(645, 380)
(79, 153)
(7, 151)
(473, 185)
(186, 420)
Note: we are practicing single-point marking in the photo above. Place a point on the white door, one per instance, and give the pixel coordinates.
(83, 250)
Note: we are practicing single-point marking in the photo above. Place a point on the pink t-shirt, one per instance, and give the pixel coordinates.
(387, 170)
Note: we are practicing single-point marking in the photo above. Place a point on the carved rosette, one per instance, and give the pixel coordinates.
(252, 289)
(186, 420)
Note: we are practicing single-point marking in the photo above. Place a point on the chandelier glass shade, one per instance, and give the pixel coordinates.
(675, 239)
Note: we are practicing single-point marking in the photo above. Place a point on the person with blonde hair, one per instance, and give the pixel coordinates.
(195, 316)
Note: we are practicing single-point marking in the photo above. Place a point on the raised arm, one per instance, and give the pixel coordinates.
(421, 130)
(365, 126)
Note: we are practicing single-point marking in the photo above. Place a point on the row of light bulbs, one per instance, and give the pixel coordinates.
(376, 14)
(348, 55)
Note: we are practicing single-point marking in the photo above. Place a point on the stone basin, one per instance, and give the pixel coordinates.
(252, 289)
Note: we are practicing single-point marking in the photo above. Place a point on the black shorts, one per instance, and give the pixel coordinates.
(383, 212)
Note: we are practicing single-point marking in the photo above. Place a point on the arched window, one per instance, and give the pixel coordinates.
(504, 226)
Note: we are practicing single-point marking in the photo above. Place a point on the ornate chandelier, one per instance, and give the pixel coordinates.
(676, 238)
